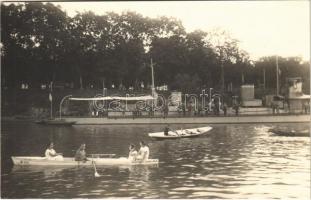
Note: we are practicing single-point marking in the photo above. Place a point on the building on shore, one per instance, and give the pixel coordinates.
(248, 96)
(297, 101)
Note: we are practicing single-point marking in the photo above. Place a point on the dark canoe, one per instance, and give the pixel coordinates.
(292, 133)
(59, 122)
(40, 121)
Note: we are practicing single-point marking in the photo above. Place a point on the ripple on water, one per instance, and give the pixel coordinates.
(69, 185)
(191, 166)
(83, 194)
(47, 193)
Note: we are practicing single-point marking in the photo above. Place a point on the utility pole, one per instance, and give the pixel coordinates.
(152, 79)
(104, 87)
(51, 99)
(264, 79)
(222, 72)
(277, 76)
(152, 86)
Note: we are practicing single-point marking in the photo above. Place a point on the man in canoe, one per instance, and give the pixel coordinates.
(143, 153)
(81, 154)
(166, 130)
(51, 154)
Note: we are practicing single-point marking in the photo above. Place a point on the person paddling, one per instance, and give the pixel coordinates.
(81, 154)
(132, 153)
(51, 154)
(166, 130)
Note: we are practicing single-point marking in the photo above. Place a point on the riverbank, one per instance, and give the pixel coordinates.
(194, 120)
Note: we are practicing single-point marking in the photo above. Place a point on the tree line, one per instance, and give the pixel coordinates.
(40, 43)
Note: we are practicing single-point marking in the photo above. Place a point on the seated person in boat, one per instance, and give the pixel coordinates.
(81, 154)
(51, 154)
(166, 130)
(189, 132)
(132, 153)
(143, 153)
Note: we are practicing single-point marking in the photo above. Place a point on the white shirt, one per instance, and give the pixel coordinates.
(144, 151)
(132, 155)
(50, 153)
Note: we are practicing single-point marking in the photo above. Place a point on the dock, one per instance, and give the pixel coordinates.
(193, 120)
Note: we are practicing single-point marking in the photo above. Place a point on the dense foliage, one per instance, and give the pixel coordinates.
(40, 43)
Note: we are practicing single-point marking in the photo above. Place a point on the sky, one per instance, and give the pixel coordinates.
(264, 28)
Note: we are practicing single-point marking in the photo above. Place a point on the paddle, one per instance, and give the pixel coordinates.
(96, 174)
(177, 133)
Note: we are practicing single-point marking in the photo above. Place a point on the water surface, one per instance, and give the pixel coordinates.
(231, 161)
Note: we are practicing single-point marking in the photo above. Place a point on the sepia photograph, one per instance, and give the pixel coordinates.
(155, 99)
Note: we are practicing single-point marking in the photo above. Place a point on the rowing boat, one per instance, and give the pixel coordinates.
(290, 133)
(59, 122)
(184, 133)
(67, 161)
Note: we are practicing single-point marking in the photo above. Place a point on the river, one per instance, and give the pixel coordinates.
(231, 161)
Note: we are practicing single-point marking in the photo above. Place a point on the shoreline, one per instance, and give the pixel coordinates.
(193, 120)
(242, 119)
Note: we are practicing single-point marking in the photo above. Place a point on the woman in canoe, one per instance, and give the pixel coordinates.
(143, 153)
(132, 153)
(81, 154)
(51, 154)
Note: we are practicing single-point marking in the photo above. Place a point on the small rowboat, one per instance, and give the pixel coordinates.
(66, 161)
(184, 133)
(291, 133)
(59, 122)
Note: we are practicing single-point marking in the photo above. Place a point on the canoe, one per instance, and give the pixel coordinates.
(184, 133)
(67, 161)
(40, 121)
(291, 133)
(59, 122)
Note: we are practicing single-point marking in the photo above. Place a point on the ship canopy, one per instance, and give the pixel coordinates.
(139, 98)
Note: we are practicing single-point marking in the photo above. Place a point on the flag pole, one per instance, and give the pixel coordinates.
(152, 82)
(277, 76)
(51, 100)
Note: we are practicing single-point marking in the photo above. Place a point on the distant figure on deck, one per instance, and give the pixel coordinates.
(236, 108)
(224, 108)
(306, 106)
(183, 110)
(166, 130)
(133, 153)
(143, 153)
(81, 154)
(51, 154)
(165, 111)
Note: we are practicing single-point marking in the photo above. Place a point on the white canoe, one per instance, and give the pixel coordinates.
(184, 133)
(23, 160)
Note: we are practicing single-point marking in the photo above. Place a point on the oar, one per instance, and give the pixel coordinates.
(96, 174)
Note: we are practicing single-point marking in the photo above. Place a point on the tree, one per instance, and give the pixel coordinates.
(232, 60)
(33, 42)
(288, 68)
